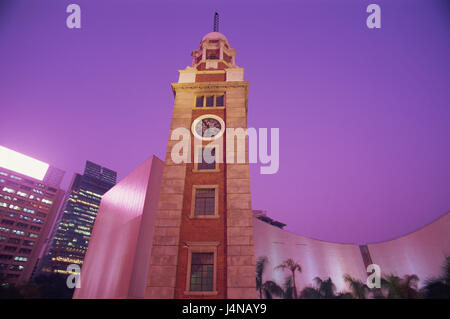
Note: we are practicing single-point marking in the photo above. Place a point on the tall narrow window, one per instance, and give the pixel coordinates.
(199, 101)
(202, 272)
(207, 162)
(204, 201)
(219, 100)
(210, 101)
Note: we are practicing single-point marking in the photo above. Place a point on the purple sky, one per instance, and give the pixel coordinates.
(364, 115)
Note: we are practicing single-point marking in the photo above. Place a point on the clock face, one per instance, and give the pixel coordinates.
(208, 127)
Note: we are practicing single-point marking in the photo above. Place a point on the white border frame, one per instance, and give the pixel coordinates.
(201, 117)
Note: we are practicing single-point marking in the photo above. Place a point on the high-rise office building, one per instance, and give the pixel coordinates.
(29, 200)
(72, 231)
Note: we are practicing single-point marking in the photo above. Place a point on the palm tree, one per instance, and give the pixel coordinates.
(326, 288)
(344, 295)
(271, 289)
(393, 285)
(292, 266)
(400, 288)
(322, 289)
(289, 290)
(286, 291)
(260, 266)
(358, 289)
(439, 287)
(310, 293)
(410, 286)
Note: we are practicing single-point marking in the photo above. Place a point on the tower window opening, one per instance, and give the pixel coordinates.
(212, 54)
(202, 272)
(199, 101)
(204, 201)
(203, 163)
(210, 101)
(220, 100)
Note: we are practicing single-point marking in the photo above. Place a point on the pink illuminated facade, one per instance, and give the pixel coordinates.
(421, 253)
(118, 255)
(317, 258)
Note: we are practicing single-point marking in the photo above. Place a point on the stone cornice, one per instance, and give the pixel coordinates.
(204, 86)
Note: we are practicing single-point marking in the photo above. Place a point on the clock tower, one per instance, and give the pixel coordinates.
(203, 238)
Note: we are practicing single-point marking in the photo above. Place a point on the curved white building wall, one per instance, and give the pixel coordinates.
(317, 258)
(421, 253)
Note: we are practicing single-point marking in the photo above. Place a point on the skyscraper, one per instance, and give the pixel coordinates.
(72, 231)
(29, 200)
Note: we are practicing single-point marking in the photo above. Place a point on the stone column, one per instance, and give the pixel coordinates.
(241, 275)
(163, 262)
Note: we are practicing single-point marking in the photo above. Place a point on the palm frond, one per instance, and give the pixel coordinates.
(271, 289)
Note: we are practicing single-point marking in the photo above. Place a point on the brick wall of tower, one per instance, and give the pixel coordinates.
(214, 77)
(232, 230)
(164, 256)
(203, 230)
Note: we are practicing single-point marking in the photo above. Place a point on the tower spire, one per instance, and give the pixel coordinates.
(216, 22)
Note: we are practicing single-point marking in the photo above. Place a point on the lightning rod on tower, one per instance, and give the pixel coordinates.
(216, 22)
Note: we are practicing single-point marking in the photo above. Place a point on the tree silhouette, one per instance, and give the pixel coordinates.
(359, 290)
(326, 288)
(292, 266)
(260, 266)
(438, 287)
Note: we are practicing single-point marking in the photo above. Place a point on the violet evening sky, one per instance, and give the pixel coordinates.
(364, 115)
